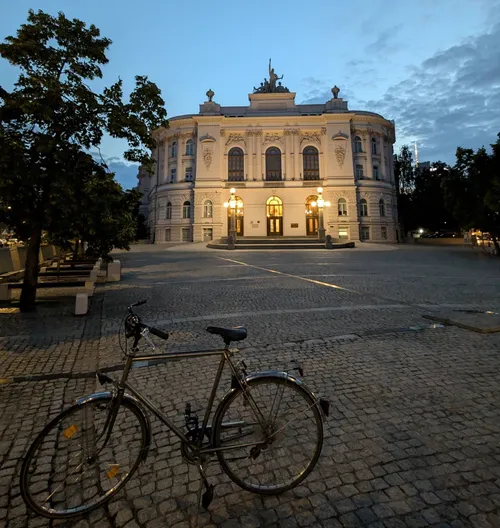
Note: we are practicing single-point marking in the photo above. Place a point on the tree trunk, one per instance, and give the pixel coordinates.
(28, 293)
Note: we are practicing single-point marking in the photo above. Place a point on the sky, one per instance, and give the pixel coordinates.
(431, 65)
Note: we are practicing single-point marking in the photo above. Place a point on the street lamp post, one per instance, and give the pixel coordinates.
(232, 206)
(321, 203)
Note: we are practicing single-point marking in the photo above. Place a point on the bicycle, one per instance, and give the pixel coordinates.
(87, 453)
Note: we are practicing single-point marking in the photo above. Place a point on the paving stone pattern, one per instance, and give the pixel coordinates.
(413, 437)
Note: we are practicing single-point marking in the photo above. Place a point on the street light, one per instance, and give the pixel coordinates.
(232, 205)
(321, 203)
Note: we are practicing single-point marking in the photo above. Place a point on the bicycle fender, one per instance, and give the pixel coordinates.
(104, 395)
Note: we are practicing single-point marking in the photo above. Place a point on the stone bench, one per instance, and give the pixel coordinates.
(6, 288)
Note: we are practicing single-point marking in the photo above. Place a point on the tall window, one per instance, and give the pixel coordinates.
(236, 165)
(173, 150)
(208, 209)
(186, 210)
(374, 146)
(363, 207)
(342, 207)
(381, 207)
(359, 172)
(189, 147)
(173, 175)
(311, 163)
(383, 232)
(365, 233)
(358, 146)
(189, 174)
(168, 216)
(376, 173)
(273, 164)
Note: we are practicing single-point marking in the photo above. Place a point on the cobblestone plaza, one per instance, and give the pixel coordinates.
(413, 437)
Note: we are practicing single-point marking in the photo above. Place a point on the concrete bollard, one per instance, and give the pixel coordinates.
(4, 292)
(81, 304)
(93, 275)
(89, 287)
(114, 271)
(14, 256)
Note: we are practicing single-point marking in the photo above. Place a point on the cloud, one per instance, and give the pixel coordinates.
(125, 173)
(450, 100)
(385, 41)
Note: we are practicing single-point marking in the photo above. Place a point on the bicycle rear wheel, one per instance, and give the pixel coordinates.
(274, 449)
(71, 469)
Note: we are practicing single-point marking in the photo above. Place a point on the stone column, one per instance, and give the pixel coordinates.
(369, 169)
(250, 152)
(323, 149)
(180, 176)
(258, 149)
(297, 157)
(287, 170)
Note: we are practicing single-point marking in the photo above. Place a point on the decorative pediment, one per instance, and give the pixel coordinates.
(311, 137)
(235, 138)
(207, 139)
(340, 136)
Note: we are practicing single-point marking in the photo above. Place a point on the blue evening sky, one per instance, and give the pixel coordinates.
(432, 65)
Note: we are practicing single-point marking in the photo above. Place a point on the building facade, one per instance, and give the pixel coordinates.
(275, 154)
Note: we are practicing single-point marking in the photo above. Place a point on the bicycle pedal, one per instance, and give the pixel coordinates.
(208, 496)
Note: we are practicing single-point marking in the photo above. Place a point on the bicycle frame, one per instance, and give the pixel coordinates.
(225, 355)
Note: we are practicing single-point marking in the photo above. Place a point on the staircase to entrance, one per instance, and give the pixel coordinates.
(277, 243)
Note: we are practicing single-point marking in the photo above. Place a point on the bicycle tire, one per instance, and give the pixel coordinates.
(51, 427)
(218, 425)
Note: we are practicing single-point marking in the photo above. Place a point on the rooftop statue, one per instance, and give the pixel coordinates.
(269, 86)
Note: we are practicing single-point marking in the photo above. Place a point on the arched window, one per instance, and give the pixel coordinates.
(358, 146)
(363, 207)
(173, 150)
(189, 147)
(374, 146)
(381, 207)
(168, 216)
(208, 209)
(342, 207)
(236, 165)
(311, 163)
(186, 210)
(273, 164)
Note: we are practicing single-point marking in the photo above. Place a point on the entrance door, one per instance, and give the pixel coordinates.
(312, 216)
(238, 217)
(274, 216)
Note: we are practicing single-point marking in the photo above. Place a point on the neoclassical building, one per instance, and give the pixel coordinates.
(275, 154)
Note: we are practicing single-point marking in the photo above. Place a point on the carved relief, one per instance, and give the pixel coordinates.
(340, 154)
(271, 138)
(291, 131)
(323, 131)
(254, 132)
(207, 157)
(235, 138)
(311, 136)
(222, 132)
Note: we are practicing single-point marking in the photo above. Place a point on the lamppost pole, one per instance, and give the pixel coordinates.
(321, 203)
(232, 222)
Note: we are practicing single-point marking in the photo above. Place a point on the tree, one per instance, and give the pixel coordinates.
(405, 179)
(472, 190)
(52, 117)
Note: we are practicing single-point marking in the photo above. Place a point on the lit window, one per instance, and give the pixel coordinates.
(363, 207)
(169, 211)
(358, 146)
(208, 209)
(189, 147)
(343, 232)
(359, 172)
(186, 210)
(365, 233)
(381, 207)
(342, 207)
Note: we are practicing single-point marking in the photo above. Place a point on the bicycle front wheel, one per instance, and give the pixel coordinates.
(269, 436)
(75, 466)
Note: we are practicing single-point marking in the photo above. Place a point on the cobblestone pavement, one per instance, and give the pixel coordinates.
(413, 437)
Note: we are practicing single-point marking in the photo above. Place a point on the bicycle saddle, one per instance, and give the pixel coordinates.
(229, 334)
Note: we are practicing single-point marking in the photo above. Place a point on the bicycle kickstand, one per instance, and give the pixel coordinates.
(207, 497)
